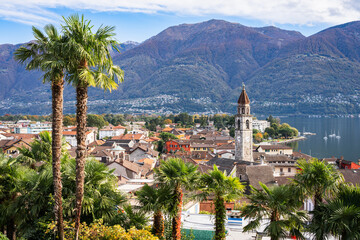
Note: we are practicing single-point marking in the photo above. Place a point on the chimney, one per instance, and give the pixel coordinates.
(262, 159)
(299, 150)
(342, 157)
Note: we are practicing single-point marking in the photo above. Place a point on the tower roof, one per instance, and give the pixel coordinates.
(243, 99)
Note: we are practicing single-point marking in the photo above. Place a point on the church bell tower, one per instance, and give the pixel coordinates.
(243, 129)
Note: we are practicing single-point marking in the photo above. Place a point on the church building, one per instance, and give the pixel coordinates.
(243, 129)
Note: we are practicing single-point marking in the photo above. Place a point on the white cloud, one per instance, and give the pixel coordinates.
(303, 12)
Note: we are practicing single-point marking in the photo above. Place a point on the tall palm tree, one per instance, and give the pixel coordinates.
(46, 54)
(223, 188)
(178, 175)
(280, 206)
(155, 200)
(90, 65)
(339, 216)
(317, 179)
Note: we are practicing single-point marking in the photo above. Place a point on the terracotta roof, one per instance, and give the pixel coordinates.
(298, 155)
(201, 155)
(129, 136)
(230, 146)
(167, 129)
(283, 180)
(5, 144)
(272, 157)
(260, 173)
(351, 176)
(147, 161)
(21, 135)
(243, 99)
(119, 127)
(96, 143)
(101, 153)
(187, 159)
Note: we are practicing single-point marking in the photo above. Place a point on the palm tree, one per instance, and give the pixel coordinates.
(178, 175)
(340, 216)
(46, 54)
(155, 200)
(280, 205)
(9, 174)
(317, 179)
(39, 151)
(101, 196)
(90, 65)
(224, 188)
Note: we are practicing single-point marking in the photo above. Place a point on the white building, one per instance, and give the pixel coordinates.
(260, 125)
(70, 137)
(36, 128)
(111, 131)
(21, 130)
(275, 149)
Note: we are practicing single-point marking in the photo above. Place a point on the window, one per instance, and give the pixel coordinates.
(267, 150)
(289, 169)
(204, 148)
(281, 170)
(243, 110)
(238, 124)
(247, 124)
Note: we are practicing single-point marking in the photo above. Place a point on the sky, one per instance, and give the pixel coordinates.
(138, 20)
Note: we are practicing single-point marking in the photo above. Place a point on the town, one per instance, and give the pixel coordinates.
(133, 153)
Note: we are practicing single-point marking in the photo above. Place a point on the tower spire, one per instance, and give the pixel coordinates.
(243, 99)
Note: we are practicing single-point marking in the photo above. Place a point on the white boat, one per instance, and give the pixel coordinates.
(332, 135)
(325, 138)
(338, 136)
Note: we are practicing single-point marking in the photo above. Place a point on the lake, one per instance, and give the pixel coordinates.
(347, 128)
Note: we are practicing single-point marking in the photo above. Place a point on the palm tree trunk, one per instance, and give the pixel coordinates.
(57, 128)
(273, 218)
(158, 227)
(317, 199)
(81, 109)
(220, 215)
(176, 222)
(11, 229)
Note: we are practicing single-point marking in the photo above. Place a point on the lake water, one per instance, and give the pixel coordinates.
(347, 128)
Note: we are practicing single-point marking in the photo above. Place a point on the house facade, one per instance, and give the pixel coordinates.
(176, 145)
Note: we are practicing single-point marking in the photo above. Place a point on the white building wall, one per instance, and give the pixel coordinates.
(260, 125)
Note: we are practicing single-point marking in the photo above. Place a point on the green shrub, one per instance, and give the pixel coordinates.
(3, 237)
(205, 212)
(99, 231)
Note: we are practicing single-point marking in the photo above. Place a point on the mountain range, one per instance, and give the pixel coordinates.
(201, 68)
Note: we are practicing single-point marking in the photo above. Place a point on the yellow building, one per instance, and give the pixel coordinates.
(202, 147)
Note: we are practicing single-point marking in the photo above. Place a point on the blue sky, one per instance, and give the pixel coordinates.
(137, 20)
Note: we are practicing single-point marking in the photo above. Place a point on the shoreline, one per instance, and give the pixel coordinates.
(301, 138)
